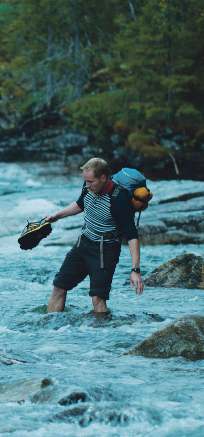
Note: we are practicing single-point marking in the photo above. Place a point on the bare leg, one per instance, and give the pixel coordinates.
(57, 300)
(99, 305)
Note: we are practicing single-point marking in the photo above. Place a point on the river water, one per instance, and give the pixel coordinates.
(47, 357)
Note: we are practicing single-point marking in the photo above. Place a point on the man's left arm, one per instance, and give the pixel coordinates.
(135, 276)
(124, 215)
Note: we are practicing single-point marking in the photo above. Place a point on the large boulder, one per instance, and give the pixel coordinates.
(184, 338)
(185, 271)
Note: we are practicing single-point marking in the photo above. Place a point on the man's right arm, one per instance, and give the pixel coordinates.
(72, 209)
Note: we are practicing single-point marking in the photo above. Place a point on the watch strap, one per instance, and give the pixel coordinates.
(135, 269)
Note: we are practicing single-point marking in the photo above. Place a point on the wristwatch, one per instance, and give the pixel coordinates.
(135, 269)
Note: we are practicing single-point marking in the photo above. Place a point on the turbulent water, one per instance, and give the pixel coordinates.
(66, 374)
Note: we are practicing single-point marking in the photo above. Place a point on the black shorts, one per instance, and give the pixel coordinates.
(85, 260)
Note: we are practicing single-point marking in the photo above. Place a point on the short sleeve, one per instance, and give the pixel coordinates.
(80, 200)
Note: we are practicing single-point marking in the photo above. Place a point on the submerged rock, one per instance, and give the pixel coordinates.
(8, 361)
(45, 393)
(35, 390)
(184, 338)
(84, 415)
(185, 271)
(72, 414)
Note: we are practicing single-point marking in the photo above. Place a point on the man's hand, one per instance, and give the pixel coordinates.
(51, 218)
(71, 209)
(136, 282)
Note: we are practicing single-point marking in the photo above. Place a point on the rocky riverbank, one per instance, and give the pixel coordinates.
(177, 220)
(48, 138)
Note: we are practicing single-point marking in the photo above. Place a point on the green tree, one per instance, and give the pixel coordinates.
(152, 56)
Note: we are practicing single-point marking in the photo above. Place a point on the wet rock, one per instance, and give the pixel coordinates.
(156, 227)
(73, 414)
(176, 222)
(45, 392)
(184, 338)
(43, 145)
(172, 230)
(8, 361)
(190, 224)
(154, 317)
(182, 197)
(85, 415)
(185, 271)
(74, 398)
(73, 162)
(170, 237)
(115, 418)
(46, 382)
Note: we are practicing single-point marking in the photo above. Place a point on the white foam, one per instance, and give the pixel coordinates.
(4, 329)
(12, 172)
(51, 349)
(194, 298)
(33, 207)
(31, 183)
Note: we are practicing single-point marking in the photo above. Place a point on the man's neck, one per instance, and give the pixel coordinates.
(107, 187)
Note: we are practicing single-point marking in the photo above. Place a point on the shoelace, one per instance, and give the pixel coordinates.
(34, 225)
(31, 226)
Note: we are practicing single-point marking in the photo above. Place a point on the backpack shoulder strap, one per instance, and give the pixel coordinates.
(138, 219)
(116, 190)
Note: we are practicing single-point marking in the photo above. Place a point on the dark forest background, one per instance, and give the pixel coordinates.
(128, 74)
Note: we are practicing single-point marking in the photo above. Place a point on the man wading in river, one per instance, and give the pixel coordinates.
(107, 219)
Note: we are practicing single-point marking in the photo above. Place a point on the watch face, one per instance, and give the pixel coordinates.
(136, 270)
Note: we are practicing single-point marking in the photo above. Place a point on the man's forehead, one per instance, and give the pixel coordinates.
(88, 174)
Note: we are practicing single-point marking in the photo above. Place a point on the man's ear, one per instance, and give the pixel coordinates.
(103, 178)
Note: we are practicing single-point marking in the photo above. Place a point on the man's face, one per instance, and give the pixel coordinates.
(94, 184)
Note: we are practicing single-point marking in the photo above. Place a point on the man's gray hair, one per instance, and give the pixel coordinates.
(98, 165)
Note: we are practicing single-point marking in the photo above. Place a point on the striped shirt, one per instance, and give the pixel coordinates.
(98, 219)
(105, 213)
